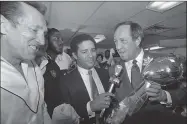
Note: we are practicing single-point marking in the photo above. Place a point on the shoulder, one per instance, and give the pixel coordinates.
(69, 75)
(101, 70)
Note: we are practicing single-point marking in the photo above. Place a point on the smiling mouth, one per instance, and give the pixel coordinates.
(35, 48)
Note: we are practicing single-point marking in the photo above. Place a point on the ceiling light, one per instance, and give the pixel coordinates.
(156, 4)
(154, 48)
(162, 6)
(99, 38)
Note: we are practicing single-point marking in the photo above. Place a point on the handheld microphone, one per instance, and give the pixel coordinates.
(114, 79)
(115, 82)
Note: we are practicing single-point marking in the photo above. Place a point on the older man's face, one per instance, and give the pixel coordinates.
(27, 36)
(125, 45)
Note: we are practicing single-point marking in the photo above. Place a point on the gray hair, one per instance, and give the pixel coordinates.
(136, 30)
(12, 9)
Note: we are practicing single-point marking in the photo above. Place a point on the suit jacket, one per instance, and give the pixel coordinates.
(51, 84)
(75, 93)
(152, 110)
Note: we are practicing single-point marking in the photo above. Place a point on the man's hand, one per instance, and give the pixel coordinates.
(101, 101)
(65, 114)
(155, 93)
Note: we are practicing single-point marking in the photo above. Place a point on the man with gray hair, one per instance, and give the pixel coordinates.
(22, 85)
(128, 37)
(22, 33)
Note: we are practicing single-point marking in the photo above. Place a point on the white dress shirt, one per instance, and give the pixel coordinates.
(139, 60)
(85, 77)
(129, 64)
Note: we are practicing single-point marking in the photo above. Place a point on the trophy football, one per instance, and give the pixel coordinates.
(163, 70)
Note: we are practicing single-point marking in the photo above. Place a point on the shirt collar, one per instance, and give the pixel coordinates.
(83, 70)
(139, 58)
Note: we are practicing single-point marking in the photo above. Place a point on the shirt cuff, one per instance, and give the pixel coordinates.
(90, 113)
(168, 103)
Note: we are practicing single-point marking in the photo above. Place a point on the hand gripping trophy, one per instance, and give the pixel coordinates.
(163, 70)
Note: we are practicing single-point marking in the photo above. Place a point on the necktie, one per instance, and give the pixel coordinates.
(135, 75)
(94, 90)
(95, 93)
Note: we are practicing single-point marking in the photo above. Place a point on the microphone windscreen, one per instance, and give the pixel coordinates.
(118, 69)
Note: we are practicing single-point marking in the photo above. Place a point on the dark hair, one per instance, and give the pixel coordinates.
(12, 9)
(78, 40)
(107, 54)
(51, 31)
(100, 55)
(136, 29)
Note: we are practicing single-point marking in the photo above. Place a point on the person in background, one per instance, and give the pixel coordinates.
(59, 112)
(99, 60)
(84, 87)
(108, 59)
(52, 73)
(22, 88)
(127, 38)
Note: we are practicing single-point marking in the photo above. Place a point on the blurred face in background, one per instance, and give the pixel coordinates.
(99, 59)
(56, 43)
(86, 54)
(107, 54)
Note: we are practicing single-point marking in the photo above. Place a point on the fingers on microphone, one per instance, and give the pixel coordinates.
(153, 98)
(152, 94)
(155, 85)
(153, 90)
(109, 94)
(107, 99)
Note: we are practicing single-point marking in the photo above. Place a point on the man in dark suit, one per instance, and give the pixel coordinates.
(127, 38)
(84, 87)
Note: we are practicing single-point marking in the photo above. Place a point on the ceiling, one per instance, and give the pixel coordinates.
(101, 17)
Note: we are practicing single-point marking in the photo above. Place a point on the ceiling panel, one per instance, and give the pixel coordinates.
(175, 21)
(112, 13)
(71, 12)
(148, 17)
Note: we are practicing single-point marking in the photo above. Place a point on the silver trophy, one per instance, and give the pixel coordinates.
(163, 70)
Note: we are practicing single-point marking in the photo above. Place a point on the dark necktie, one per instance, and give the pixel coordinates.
(95, 93)
(94, 90)
(135, 75)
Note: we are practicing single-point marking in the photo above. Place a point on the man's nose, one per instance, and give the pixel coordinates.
(41, 39)
(118, 45)
(90, 54)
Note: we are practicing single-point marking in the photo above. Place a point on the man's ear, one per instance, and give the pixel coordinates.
(74, 55)
(138, 41)
(5, 25)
